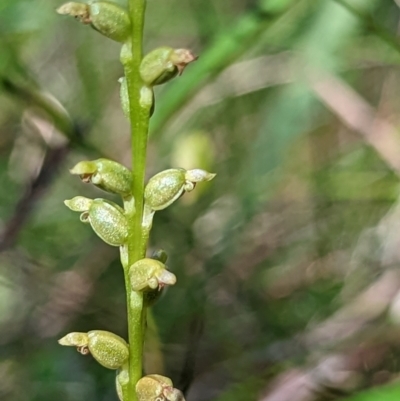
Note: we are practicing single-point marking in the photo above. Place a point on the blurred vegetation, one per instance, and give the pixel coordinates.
(287, 263)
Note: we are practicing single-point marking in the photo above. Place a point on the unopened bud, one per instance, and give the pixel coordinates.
(107, 18)
(164, 188)
(163, 64)
(167, 186)
(157, 387)
(108, 222)
(150, 274)
(105, 174)
(106, 218)
(109, 350)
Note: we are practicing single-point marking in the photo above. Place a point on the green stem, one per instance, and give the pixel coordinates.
(139, 119)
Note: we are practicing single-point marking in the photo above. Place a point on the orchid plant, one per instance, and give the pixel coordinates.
(128, 227)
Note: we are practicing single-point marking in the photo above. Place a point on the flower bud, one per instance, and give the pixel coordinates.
(108, 222)
(105, 174)
(109, 350)
(150, 274)
(107, 18)
(163, 64)
(106, 218)
(157, 387)
(166, 187)
(110, 20)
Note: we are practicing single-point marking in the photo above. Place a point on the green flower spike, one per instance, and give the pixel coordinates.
(166, 187)
(105, 17)
(157, 388)
(105, 174)
(106, 218)
(150, 274)
(109, 350)
(163, 64)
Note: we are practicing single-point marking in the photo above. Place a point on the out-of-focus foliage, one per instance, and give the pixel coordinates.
(287, 262)
(385, 393)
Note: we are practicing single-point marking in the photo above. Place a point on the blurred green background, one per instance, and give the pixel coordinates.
(287, 263)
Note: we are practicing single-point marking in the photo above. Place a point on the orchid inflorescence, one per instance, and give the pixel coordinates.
(146, 277)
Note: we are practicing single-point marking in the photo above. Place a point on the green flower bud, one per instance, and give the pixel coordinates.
(150, 274)
(157, 388)
(163, 64)
(106, 17)
(105, 174)
(108, 222)
(166, 187)
(109, 350)
(106, 218)
(110, 20)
